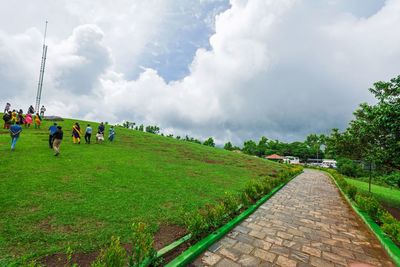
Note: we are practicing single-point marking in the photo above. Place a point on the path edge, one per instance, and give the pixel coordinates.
(194, 251)
(390, 247)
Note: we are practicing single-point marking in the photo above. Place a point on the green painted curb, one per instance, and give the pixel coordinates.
(194, 251)
(392, 250)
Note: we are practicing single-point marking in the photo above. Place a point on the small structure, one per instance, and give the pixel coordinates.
(275, 157)
(329, 163)
(291, 160)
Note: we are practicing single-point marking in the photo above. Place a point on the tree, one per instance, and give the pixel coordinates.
(374, 134)
(209, 142)
(262, 146)
(128, 125)
(250, 147)
(152, 129)
(228, 146)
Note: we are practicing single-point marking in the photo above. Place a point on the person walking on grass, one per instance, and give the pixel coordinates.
(7, 108)
(38, 121)
(52, 131)
(76, 133)
(111, 134)
(15, 131)
(42, 111)
(101, 128)
(31, 110)
(88, 134)
(57, 138)
(7, 120)
(28, 120)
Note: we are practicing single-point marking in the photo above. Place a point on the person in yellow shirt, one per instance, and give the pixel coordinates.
(76, 133)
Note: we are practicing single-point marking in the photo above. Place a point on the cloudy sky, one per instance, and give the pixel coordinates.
(234, 70)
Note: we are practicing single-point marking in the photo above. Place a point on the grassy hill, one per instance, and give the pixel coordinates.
(91, 192)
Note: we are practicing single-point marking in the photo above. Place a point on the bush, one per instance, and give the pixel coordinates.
(349, 168)
(196, 224)
(114, 255)
(352, 191)
(390, 226)
(368, 204)
(231, 203)
(142, 244)
(215, 215)
(392, 179)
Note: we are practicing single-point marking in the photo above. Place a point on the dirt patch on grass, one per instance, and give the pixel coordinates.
(165, 235)
(59, 259)
(45, 225)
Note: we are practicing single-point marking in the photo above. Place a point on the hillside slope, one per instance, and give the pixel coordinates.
(91, 192)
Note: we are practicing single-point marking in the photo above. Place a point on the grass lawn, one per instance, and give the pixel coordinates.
(389, 196)
(91, 192)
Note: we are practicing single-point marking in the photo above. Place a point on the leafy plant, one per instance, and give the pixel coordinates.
(113, 255)
(142, 244)
(69, 263)
(196, 224)
(352, 191)
(368, 204)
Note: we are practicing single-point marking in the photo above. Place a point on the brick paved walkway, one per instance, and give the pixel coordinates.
(307, 223)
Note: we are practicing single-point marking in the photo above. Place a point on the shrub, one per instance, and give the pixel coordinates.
(252, 190)
(142, 244)
(196, 224)
(352, 191)
(215, 215)
(231, 203)
(368, 204)
(392, 179)
(390, 226)
(113, 255)
(349, 167)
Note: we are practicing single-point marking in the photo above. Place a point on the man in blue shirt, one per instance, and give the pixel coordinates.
(15, 131)
(52, 131)
(88, 134)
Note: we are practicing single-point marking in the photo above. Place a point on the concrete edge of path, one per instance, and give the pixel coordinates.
(390, 247)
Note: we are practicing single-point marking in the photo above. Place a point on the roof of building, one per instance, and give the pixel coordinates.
(274, 156)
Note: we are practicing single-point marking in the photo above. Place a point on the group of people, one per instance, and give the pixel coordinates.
(77, 133)
(56, 133)
(11, 117)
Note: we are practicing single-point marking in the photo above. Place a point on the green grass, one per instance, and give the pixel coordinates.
(389, 196)
(91, 192)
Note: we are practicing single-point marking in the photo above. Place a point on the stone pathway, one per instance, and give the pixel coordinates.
(307, 223)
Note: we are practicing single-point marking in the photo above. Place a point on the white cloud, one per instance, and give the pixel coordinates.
(277, 68)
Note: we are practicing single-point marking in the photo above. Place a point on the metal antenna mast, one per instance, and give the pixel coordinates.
(41, 75)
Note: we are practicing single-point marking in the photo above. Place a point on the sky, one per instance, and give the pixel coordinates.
(234, 70)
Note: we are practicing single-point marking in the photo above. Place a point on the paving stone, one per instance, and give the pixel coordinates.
(229, 253)
(264, 255)
(242, 229)
(257, 234)
(280, 250)
(227, 263)
(248, 260)
(299, 256)
(284, 235)
(262, 244)
(335, 258)
(243, 247)
(312, 251)
(306, 223)
(285, 262)
(210, 258)
(318, 262)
